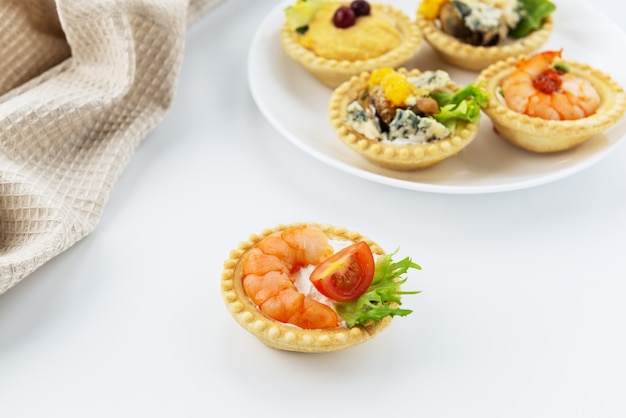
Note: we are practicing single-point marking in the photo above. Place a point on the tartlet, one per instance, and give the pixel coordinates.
(332, 72)
(284, 336)
(476, 58)
(407, 157)
(542, 135)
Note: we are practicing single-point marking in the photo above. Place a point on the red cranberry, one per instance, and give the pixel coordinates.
(360, 7)
(344, 17)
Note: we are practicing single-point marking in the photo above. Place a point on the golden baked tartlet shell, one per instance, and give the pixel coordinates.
(395, 157)
(334, 72)
(284, 336)
(541, 135)
(476, 58)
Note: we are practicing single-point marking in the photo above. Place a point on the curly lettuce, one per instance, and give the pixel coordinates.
(463, 105)
(533, 12)
(382, 298)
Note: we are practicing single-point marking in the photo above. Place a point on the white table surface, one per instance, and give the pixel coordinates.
(524, 292)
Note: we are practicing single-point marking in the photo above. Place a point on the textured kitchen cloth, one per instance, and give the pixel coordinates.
(82, 82)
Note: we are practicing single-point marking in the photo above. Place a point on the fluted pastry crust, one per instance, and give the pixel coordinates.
(395, 157)
(477, 58)
(333, 72)
(541, 135)
(283, 336)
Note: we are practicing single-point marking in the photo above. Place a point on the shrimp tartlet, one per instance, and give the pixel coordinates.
(543, 103)
(473, 34)
(291, 288)
(334, 40)
(404, 119)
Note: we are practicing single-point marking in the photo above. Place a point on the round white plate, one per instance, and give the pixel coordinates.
(295, 103)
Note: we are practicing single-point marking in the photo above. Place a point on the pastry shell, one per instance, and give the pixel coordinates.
(285, 336)
(334, 72)
(541, 135)
(476, 58)
(395, 157)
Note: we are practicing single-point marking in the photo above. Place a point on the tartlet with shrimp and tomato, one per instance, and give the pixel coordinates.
(544, 103)
(406, 120)
(335, 40)
(313, 288)
(472, 34)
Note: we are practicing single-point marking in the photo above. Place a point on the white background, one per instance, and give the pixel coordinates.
(521, 315)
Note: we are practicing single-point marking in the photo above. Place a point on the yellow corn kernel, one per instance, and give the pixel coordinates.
(397, 88)
(377, 75)
(395, 85)
(430, 8)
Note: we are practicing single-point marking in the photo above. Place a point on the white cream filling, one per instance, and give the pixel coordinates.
(304, 285)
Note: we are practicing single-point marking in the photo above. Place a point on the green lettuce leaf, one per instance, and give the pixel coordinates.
(464, 104)
(382, 298)
(533, 12)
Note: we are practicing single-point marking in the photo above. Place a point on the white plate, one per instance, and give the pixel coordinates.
(296, 104)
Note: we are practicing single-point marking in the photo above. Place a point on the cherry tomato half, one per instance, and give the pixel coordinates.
(345, 275)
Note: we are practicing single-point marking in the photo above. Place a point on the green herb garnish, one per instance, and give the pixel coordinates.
(561, 67)
(533, 13)
(464, 104)
(382, 298)
(299, 14)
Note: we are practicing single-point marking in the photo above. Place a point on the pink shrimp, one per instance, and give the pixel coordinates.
(268, 279)
(536, 88)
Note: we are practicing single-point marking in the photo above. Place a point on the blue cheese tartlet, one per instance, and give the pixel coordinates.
(405, 119)
(473, 34)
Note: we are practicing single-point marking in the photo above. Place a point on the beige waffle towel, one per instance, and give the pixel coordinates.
(82, 82)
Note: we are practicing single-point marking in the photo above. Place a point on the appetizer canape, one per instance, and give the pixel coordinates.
(543, 103)
(313, 288)
(336, 40)
(473, 34)
(406, 120)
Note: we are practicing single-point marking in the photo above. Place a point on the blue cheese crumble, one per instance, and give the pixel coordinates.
(482, 17)
(431, 80)
(406, 126)
(409, 128)
(511, 11)
(361, 122)
(486, 15)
